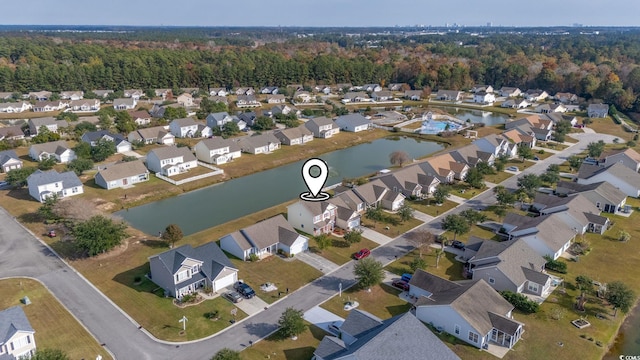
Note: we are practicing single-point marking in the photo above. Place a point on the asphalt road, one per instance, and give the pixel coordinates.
(21, 254)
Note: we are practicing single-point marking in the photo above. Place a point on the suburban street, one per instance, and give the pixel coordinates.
(23, 255)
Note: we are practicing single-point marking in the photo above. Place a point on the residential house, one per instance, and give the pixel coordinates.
(9, 160)
(565, 98)
(11, 133)
(135, 94)
(125, 104)
(344, 87)
(46, 106)
(85, 105)
(185, 100)
(628, 157)
(217, 150)
(618, 175)
(382, 96)
(264, 238)
(44, 184)
(376, 194)
(157, 111)
(40, 95)
(365, 337)
(398, 86)
(58, 150)
(245, 91)
(171, 160)
(495, 144)
(72, 95)
(449, 95)
(353, 123)
(349, 208)
(141, 117)
(205, 131)
(355, 97)
(17, 339)
(249, 118)
(4, 95)
(294, 136)
(371, 87)
(555, 118)
(219, 99)
(322, 127)
(259, 144)
(102, 93)
(482, 97)
(152, 135)
(273, 90)
(164, 94)
(218, 91)
(577, 211)
(412, 181)
(276, 99)
(15, 107)
(598, 110)
(93, 137)
(472, 312)
(535, 95)
(303, 97)
(550, 108)
(218, 119)
(247, 101)
(472, 155)
(516, 104)
(415, 95)
(121, 174)
(510, 92)
(508, 265)
(284, 110)
(532, 125)
(312, 217)
(520, 137)
(445, 168)
(190, 90)
(548, 235)
(325, 89)
(184, 128)
(185, 270)
(603, 195)
(482, 88)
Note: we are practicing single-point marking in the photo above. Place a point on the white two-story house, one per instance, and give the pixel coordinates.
(217, 150)
(171, 160)
(184, 128)
(44, 184)
(315, 218)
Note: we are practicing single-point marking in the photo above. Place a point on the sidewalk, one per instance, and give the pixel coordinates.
(422, 216)
(316, 261)
(376, 236)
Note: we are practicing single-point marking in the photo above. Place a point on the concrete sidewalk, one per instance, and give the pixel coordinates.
(317, 261)
(376, 236)
(422, 216)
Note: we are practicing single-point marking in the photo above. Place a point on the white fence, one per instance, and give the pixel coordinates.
(216, 171)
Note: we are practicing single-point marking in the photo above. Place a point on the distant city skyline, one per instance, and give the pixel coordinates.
(339, 13)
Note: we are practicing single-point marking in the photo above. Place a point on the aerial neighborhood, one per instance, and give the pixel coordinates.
(460, 221)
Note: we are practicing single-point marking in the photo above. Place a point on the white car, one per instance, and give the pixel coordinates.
(350, 305)
(513, 168)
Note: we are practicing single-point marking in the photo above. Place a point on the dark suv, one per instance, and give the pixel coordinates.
(244, 290)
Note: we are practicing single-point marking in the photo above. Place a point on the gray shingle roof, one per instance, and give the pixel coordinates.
(210, 255)
(270, 231)
(7, 155)
(13, 320)
(256, 141)
(292, 133)
(617, 170)
(169, 152)
(352, 120)
(514, 258)
(431, 283)
(185, 122)
(121, 170)
(9, 131)
(92, 136)
(69, 179)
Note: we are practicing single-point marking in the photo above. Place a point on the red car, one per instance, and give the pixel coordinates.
(400, 284)
(361, 254)
(51, 233)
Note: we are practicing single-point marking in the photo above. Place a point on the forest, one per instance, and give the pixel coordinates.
(604, 67)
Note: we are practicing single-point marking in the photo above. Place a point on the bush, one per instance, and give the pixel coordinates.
(555, 265)
(253, 257)
(212, 314)
(521, 302)
(418, 263)
(188, 298)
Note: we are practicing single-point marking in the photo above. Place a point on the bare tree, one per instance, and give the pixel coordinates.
(398, 158)
(421, 240)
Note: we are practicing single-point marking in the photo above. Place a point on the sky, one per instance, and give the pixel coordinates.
(321, 13)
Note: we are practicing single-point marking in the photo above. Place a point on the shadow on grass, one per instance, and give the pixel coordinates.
(340, 243)
(30, 218)
(135, 278)
(20, 194)
(155, 244)
(67, 250)
(398, 309)
(299, 353)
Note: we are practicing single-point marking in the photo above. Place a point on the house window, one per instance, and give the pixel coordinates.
(598, 204)
(473, 337)
(533, 287)
(74, 190)
(492, 280)
(456, 329)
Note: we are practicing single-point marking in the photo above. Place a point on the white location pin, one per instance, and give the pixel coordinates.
(315, 181)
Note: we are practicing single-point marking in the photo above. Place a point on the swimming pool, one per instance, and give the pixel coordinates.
(436, 127)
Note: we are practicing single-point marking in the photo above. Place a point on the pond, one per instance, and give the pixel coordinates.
(204, 208)
(476, 116)
(628, 339)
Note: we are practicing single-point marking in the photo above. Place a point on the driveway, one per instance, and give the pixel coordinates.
(133, 153)
(321, 318)
(375, 236)
(317, 261)
(252, 306)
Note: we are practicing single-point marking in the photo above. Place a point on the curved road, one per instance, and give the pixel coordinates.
(22, 254)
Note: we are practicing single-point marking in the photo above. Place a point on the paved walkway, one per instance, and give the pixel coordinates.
(133, 153)
(456, 199)
(376, 236)
(422, 216)
(317, 261)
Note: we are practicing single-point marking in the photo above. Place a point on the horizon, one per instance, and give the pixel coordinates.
(329, 14)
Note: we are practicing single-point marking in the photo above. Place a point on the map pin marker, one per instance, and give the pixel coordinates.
(315, 181)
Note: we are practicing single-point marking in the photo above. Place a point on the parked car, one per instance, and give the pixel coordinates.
(362, 254)
(244, 290)
(233, 296)
(400, 284)
(3, 184)
(513, 168)
(536, 158)
(458, 244)
(334, 327)
(350, 305)
(406, 277)
(51, 233)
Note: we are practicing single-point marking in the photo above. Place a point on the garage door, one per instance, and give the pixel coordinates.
(224, 282)
(299, 247)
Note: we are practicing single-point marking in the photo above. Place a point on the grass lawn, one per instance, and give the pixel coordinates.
(382, 301)
(275, 347)
(340, 252)
(283, 274)
(544, 155)
(498, 177)
(464, 190)
(475, 231)
(55, 327)
(448, 267)
(522, 165)
(608, 126)
(429, 207)
(394, 230)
